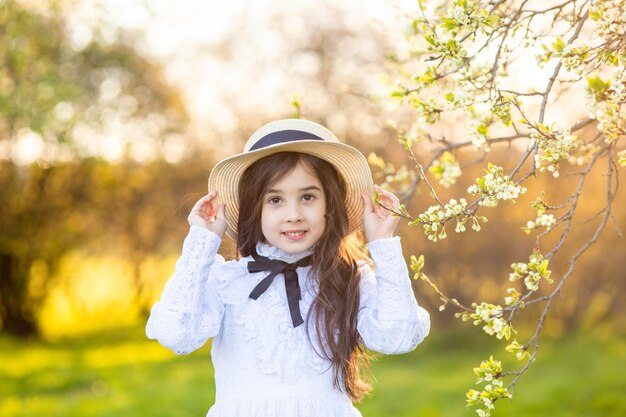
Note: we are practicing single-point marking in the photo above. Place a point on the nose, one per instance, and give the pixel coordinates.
(294, 213)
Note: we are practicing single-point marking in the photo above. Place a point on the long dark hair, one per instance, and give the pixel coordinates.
(334, 259)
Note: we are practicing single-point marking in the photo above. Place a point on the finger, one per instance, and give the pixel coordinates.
(221, 211)
(204, 200)
(389, 199)
(367, 204)
(386, 193)
(209, 197)
(381, 191)
(209, 210)
(381, 212)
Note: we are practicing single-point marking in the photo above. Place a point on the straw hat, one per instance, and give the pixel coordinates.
(293, 135)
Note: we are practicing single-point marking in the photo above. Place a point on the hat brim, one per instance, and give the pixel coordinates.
(349, 162)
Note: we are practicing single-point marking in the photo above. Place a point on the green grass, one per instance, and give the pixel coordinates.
(123, 374)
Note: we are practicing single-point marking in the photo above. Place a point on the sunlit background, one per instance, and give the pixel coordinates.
(112, 113)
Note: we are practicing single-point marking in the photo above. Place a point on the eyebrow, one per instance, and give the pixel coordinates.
(309, 188)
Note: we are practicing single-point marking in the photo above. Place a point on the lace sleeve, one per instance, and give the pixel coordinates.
(389, 319)
(190, 310)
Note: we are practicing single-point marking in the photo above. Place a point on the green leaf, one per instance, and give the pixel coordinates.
(483, 130)
(558, 45)
(417, 264)
(452, 45)
(399, 92)
(430, 38)
(492, 20)
(449, 24)
(596, 14)
(596, 85)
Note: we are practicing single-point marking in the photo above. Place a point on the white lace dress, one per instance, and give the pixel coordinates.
(264, 367)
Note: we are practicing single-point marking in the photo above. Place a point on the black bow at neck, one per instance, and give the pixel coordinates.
(292, 287)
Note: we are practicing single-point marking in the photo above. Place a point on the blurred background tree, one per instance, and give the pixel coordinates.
(101, 153)
(58, 105)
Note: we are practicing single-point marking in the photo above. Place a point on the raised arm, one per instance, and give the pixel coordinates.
(389, 319)
(190, 310)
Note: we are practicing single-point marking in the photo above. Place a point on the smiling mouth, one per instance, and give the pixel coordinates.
(295, 234)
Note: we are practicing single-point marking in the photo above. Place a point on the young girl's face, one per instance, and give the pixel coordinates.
(293, 213)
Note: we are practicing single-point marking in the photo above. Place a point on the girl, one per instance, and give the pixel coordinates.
(291, 317)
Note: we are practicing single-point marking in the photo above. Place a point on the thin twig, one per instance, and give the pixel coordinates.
(572, 262)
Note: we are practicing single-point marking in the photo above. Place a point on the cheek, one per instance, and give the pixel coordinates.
(265, 221)
(323, 216)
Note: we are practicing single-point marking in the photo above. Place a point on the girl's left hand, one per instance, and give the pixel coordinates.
(379, 223)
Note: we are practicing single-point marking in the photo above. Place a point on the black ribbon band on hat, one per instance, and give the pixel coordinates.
(283, 136)
(292, 287)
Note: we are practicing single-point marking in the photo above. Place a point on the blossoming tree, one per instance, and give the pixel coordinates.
(462, 64)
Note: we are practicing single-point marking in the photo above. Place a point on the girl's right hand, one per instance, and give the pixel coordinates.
(205, 214)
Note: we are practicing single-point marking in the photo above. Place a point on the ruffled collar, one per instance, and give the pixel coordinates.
(274, 252)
